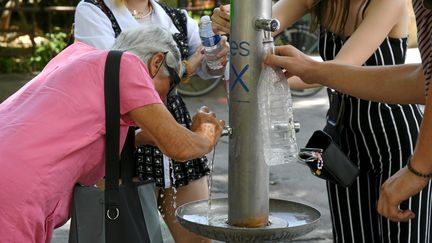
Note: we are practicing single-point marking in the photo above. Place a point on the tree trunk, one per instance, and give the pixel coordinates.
(6, 15)
(23, 18)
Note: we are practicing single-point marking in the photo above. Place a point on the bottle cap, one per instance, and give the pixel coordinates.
(205, 19)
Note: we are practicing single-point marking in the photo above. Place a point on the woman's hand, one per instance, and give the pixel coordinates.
(222, 56)
(221, 20)
(397, 189)
(406, 183)
(195, 60)
(198, 59)
(293, 61)
(173, 139)
(204, 123)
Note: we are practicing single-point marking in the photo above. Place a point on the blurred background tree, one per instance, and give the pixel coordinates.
(32, 31)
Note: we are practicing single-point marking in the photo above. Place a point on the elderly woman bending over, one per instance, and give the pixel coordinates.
(52, 130)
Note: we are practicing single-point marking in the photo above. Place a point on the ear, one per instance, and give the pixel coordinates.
(154, 63)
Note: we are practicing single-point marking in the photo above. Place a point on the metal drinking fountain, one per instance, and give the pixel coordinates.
(247, 214)
(248, 204)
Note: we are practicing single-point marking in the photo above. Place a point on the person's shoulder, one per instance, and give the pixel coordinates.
(390, 4)
(86, 7)
(84, 4)
(386, 6)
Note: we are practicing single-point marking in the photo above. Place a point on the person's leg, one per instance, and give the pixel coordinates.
(352, 214)
(401, 143)
(195, 190)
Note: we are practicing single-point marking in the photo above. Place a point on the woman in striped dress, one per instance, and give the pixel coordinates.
(407, 84)
(378, 137)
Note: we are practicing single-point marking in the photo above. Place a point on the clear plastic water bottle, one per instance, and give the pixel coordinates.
(276, 114)
(211, 43)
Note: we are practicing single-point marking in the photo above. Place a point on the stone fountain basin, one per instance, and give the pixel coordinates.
(289, 220)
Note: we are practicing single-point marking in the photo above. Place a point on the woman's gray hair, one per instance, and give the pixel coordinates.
(145, 41)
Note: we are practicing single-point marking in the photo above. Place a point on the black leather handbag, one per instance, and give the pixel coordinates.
(326, 160)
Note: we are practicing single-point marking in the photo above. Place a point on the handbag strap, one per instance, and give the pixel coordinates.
(128, 166)
(112, 137)
(114, 166)
(112, 124)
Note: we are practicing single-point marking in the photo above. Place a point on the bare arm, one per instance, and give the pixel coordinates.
(371, 32)
(422, 158)
(286, 11)
(399, 84)
(173, 139)
(296, 83)
(289, 11)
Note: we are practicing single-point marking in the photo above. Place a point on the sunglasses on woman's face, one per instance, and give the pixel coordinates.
(174, 77)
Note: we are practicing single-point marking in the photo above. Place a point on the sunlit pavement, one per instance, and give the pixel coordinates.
(291, 182)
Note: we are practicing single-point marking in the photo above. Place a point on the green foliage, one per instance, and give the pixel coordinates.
(7, 65)
(171, 3)
(44, 52)
(55, 42)
(14, 65)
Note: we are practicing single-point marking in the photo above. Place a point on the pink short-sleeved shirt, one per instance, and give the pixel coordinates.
(52, 136)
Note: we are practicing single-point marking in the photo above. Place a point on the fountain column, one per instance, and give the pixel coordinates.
(248, 182)
(248, 205)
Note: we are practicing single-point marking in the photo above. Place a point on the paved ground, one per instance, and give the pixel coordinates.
(291, 182)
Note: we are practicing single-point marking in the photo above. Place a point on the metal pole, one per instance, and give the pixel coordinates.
(248, 180)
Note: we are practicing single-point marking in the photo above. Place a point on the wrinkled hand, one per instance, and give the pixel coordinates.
(397, 189)
(221, 20)
(196, 59)
(223, 53)
(293, 61)
(204, 122)
(222, 56)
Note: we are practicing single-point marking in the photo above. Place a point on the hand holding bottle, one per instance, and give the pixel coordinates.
(276, 114)
(215, 48)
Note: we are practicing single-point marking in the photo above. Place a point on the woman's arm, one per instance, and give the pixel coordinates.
(174, 140)
(286, 11)
(93, 27)
(381, 20)
(365, 40)
(400, 84)
(289, 11)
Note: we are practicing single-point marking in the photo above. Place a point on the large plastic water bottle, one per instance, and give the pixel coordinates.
(211, 43)
(276, 114)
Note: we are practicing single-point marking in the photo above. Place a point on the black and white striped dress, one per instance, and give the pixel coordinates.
(378, 138)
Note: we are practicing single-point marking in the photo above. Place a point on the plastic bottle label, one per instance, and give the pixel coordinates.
(210, 41)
